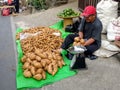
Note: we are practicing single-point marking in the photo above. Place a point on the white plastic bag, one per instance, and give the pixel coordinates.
(106, 10)
(113, 30)
(107, 49)
(108, 46)
(26, 35)
(104, 53)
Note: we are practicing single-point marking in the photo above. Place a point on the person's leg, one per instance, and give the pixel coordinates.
(68, 41)
(17, 5)
(90, 50)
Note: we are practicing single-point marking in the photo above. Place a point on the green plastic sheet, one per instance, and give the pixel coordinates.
(65, 72)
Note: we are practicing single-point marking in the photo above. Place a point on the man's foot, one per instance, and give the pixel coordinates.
(92, 57)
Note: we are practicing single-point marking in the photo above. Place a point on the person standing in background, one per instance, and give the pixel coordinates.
(16, 5)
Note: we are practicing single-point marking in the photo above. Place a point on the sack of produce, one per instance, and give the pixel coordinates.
(73, 27)
(106, 11)
(113, 30)
(5, 12)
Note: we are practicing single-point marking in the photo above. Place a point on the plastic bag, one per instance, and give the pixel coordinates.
(106, 11)
(108, 46)
(104, 53)
(5, 12)
(107, 49)
(26, 35)
(113, 30)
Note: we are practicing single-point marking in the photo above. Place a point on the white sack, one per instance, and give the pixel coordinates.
(104, 53)
(107, 49)
(113, 30)
(106, 10)
(108, 46)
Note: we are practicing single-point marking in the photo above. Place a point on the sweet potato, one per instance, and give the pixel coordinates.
(50, 68)
(39, 71)
(43, 62)
(32, 69)
(27, 73)
(59, 64)
(55, 69)
(38, 58)
(76, 39)
(26, 65)
(37, 76)
(31, 55)
(23, 59)
(28, 60)
(43, 75)
(82, 41)
(37, 64)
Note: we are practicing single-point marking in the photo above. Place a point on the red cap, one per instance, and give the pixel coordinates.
(89, 10)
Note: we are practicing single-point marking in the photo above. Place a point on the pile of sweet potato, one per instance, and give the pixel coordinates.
(78, 41)
(40, 52)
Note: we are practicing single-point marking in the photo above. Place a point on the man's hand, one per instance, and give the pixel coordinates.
(89, 41)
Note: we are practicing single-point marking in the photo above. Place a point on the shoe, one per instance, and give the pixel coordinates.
(92, 57)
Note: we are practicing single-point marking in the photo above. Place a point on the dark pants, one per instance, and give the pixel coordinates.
(70, 39)
(16, 5)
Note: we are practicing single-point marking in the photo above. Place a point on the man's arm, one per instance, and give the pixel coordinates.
(80, 28)
(89, 41)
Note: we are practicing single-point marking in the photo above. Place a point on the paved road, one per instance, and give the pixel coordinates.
(7, 55)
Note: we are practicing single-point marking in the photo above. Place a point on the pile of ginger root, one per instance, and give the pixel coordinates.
(40, 52)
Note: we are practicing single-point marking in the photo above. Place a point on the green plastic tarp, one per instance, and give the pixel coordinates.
(64, 72)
